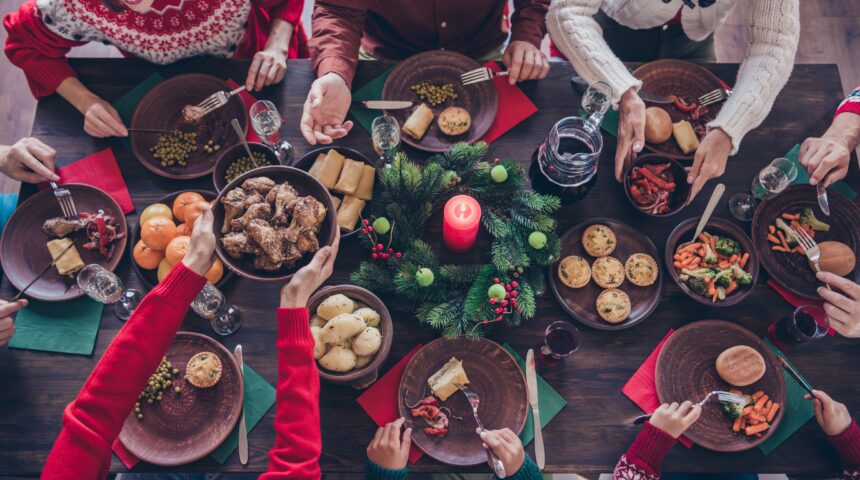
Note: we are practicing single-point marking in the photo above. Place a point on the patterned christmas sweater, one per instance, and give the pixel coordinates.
(851, 104)
(41, 32)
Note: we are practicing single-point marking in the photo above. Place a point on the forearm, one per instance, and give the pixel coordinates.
(528, 22)
(337, 31)
(76, 93)
(279, 36)
(845, 130)
(645, 455)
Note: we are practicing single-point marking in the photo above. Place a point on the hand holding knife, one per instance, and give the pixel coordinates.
(531, 382)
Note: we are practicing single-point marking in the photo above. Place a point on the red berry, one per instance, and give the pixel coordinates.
(374, 256)
(379, 246)
(508, 288)
(364, 231)
(369, 229)
(516, 275)
(499, 318)
(390, 250)
(495, 280)
(508, 295)
(504, 303)
(514, 302)
(492, 301)
(366, 222)
(514, 284)
(514, 293)
(500, 310)
(398, 255)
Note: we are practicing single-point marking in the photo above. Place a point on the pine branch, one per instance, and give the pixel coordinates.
(373, 277)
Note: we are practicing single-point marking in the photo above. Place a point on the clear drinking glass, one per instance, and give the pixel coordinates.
(806, 323)
(596, 101)
(386, 137)
(561, 339)
(211, 305)
(105, 287)
(267, 122)
(768, 183)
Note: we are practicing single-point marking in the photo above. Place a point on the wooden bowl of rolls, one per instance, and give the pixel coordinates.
(349, 177)
(352, 332)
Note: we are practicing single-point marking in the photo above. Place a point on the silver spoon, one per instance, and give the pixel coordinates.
(238, 129)
(709, 210)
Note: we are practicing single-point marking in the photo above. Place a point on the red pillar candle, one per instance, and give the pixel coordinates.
(460, 224)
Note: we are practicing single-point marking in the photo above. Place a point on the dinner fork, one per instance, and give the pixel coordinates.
(474, 401)
(480, 75)
(714, 96)
(721, 395)
(66, 201)
(809, 247)
(217, 100)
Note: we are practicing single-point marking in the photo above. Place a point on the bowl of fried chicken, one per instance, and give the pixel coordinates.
(270, 221)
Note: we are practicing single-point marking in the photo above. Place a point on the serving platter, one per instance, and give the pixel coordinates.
(686, 371)
(23, 250)
(792, 271)
(579, 303)
(187, 426)
(493, 374)
(442, 67)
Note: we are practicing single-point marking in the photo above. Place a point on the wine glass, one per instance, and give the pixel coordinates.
(211, 304)
(105, 287)
(386, 137)
(561, 339)
(267, 122)
(768, 183)
(596, 101)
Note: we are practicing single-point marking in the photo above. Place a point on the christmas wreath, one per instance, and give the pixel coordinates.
(458, 299)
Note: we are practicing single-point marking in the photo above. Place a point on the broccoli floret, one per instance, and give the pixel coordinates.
(732, 410)
(727, 246)
(743, 278)
(721, 293)
(697, 285)
(710, 256)
(699, 273)
(723, 281)
(786, 230)
(807, 216)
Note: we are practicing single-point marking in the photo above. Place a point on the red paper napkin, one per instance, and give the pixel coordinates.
(514, 106)
(642, 388)
(248, 100)
(798, 300)
(128, 459)
(98, 170)
(380, 400)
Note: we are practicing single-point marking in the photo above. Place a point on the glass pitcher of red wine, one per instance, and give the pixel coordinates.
(566, 162)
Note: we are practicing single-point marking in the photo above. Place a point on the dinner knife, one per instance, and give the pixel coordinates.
(822, 198)
(386, 104)
(243, 429)
(645, 96)
(531, 381)
(44, 271)
(796, 375)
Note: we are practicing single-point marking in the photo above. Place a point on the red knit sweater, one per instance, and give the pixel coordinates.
(41, 32)
(94, 419)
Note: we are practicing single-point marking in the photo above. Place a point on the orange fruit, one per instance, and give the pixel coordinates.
(164, 267)
(146, 257)
(177, 248)
(193, 211)
(157, 232)
(215, 272)
(183, 200)
(183, 229)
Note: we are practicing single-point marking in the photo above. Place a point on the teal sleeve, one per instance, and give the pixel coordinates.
(528, 471)
(373, 471)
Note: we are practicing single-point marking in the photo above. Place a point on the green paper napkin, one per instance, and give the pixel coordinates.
(549, 402)
(259, 398)
(65, 327)
(372, 90)
(127, 103)
(803, 177)
(797, 412)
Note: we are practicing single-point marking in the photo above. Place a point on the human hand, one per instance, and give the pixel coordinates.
(101, 119)
(201, 248)
(389, 449)
(325, 110)
(7, 323)
(28, 160)
(631, 130)
(710, 160)
(506, 445)
(843, 309)
(675, 419)
(824, 159)
(268, 67)
(525, 62)
(295, 294)
(831, 415)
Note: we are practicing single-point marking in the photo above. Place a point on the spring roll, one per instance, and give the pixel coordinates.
(417, 123)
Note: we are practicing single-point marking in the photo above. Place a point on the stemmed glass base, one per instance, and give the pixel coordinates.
(742, 206)
(127, 303)
(285, 152)
(227, 322)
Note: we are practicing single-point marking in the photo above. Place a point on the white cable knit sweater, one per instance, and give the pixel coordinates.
(773, 29)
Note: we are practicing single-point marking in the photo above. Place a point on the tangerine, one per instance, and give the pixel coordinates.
(177, 248)
(183, 229)
(193, 211)
(157, 232)
(146, 257)
(215, 272)
(184, 199)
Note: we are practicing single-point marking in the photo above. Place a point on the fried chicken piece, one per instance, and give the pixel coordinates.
(234, 207)
(308, 213)
(252, 198)
(239, 243)
(261, 185)
(263, 262)
(281, 196)
(308, 242)
(261, 211)
(59, 227)
(293, 255)
(268, 239)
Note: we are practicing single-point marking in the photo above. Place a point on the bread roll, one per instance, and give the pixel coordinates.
(369, 315)
(367, 342)
(338, 359)
(334, 306)
(740, 366)
(686, 137)
(658, 125)
(417, 123)
(341, 328)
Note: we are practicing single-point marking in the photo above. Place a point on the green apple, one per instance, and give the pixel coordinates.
(496, 291)
(381, 225)
(499, 173)
(424, 277)
(537, 240)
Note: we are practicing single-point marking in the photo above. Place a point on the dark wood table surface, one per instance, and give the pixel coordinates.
(590, 434)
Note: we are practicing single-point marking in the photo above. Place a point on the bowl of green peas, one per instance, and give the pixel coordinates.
(235, 162)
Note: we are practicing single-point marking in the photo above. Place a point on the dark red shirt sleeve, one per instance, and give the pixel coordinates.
(289, 10)
(528, 22)
(644, 457)
(41, 53)
(847, 444)
(337, 29)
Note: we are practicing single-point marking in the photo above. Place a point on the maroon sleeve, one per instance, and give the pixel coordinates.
(528, 22)
(644, 457)
(847, 444)
(337, 29)
(289, 10)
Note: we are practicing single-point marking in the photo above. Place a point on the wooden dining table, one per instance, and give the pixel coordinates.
(591, 432)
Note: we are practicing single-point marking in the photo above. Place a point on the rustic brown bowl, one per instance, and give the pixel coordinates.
(493, 374)
(161, 109)
(441, 67)
(579, 303)
(686, 371)
(679, 198)
(684, 233)
(234, 153)
(792, 271)
(363, 377)
(185, 427)
(23, 253)
(304, 185)
(150, 277)
(307, 161)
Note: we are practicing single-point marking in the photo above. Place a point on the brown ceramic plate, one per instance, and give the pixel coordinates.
(494, 376)
(304, 185)
(23, 252)
(686, 80)
(150, 277)
(684, 233)
(441, 67)
(306, 162)
(579, 303)
(678, 198)
(686, 371)
(161, 109)
(361, 377)
(792, 271)
(234, 153)
(187, 426)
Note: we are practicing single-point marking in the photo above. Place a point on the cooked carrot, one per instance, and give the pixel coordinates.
(736, 427)
(736, 391)
(712, 289)
(782, 240)
(759, 403)
(772, 239)
(777, 248)
(772, 412)
(797, 249)
(744, 259)
(733, 258)
(747, 410)
(757, 395)
(732, 287)
(743, 423)
(771, 229)
(752, 430)
(795, 224)
(789, 216)
(714, 296)
(704, 237)
(758, 417)
(724, 265)
(768, 405)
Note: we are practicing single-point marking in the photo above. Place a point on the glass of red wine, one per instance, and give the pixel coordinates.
(560, 340)
(806, 323)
